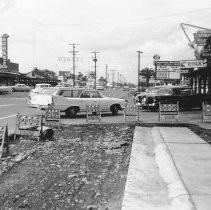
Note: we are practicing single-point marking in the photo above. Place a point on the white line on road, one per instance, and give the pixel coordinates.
(14, 115)
(7, 105)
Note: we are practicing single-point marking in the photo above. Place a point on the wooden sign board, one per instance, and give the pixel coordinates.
(131, 113)
(52, 117)
(28, 125)
(93, 113)
(206, 111)
(168, 112)
(3, 139)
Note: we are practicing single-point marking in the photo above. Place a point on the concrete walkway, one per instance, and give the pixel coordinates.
(169, 169)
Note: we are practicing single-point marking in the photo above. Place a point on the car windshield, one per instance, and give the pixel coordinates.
(153, 89)
(48, 91)
(164, 91)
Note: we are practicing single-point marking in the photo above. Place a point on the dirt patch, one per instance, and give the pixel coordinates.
(84, 168)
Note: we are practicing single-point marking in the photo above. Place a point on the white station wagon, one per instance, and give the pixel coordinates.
(73, 101)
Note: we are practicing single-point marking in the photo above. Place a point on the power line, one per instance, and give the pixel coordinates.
(104, 23)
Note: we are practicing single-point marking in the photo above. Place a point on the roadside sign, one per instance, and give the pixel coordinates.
(168, 112)
(162, 75)
(52, 117)
(4, 139)
(93, 113)
(200, 38)
(28, 125)
(131, 113)
(206, 111)
(156, 57)
(168, 65)
(187, 64)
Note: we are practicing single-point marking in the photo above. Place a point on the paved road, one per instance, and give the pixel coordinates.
(10, 106)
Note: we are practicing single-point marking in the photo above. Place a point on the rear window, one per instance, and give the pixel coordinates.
(48, 91)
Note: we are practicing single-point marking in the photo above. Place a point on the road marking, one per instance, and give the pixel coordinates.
(14, 115)
(7, 105)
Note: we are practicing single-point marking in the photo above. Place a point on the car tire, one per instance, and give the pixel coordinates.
(114, 110)
(71, 112)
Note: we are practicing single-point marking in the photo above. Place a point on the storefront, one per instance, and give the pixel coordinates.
(201, 80)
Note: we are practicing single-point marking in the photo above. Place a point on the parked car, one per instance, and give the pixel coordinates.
(74, 100)
(5, 89)
(171, 94)
(99, 87)
(140, 97)
(126, 88)
(20, 88)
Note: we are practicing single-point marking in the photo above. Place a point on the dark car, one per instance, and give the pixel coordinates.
(140, 97)
(171, 94)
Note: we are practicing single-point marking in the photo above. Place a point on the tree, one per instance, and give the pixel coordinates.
(147, 73)
(45, 73)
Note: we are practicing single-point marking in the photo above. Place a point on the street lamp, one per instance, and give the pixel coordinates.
(139, 52)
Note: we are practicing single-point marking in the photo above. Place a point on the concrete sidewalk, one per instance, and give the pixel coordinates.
(180, 163)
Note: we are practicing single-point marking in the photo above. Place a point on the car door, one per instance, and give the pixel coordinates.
(84, 100)
(96, 97)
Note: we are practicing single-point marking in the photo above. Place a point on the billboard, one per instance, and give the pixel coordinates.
(200, 37)
(64, 73)
(187, 64)
(4, 49)
(168, 66)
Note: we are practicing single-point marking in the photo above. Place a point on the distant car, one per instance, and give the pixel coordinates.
(39, 87)
(99, 87)
(74, 100)
(5, 89)
(126, 88)
(20, 88)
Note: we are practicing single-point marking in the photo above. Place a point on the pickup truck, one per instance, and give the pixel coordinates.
(74, 100)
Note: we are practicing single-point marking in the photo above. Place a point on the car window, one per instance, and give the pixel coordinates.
(85, 94)
(48, 91)
(95, 94)
(165, 91)
(66, 93)
(186, 92)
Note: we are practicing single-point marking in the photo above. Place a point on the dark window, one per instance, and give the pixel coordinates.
(66, 93)
(85, 94)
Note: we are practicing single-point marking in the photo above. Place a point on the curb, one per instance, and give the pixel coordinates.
(179, 196)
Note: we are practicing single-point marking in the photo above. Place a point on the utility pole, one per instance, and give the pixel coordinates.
(106, 75)
(113, 76)
(95, 60)
(74, 53)
(139, 52)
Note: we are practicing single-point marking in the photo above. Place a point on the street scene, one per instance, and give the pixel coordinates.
(105, 105)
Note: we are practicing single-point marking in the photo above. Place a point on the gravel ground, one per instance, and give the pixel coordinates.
(85, 167)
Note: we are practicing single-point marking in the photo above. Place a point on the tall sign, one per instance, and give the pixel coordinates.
(168, 70)
(5, 49)
(200, 37)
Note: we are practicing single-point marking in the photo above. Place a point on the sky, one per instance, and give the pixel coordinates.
(41, 31)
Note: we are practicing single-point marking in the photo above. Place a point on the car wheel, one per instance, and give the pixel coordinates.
(71, 112)
(12, 90)
(114, 110)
